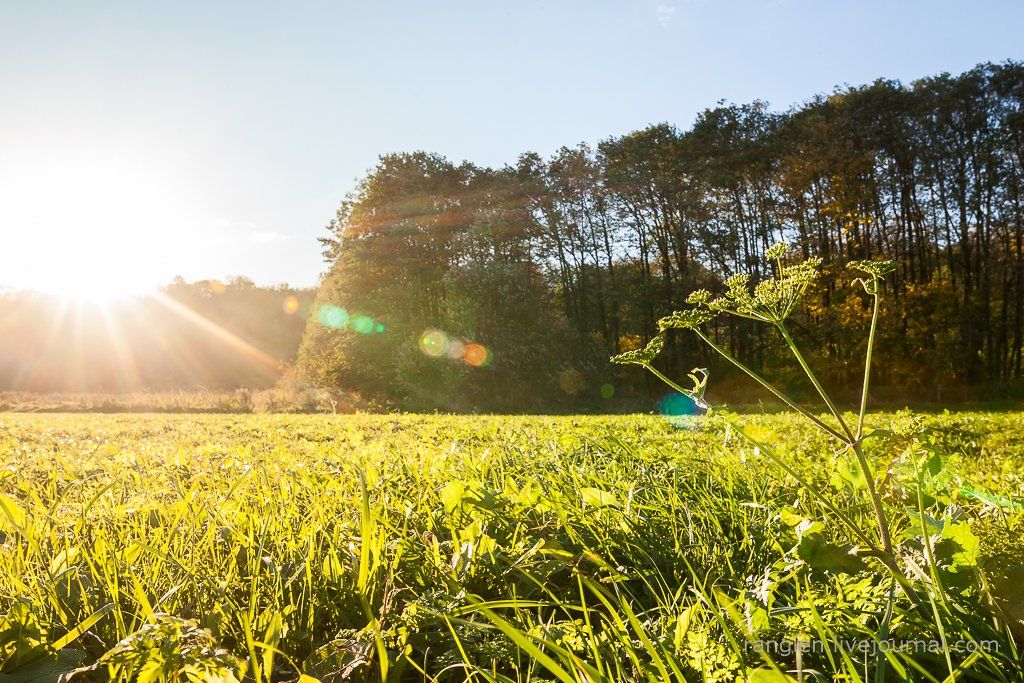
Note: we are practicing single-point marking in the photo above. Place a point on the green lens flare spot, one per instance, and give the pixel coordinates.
(363, 324)
(332, 316)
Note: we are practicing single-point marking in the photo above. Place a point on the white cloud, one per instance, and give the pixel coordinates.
(665, 14)
(261, 237)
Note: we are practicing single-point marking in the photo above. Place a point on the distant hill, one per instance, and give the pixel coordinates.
(205, 334)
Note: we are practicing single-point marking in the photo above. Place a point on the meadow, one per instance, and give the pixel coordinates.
(305, 547)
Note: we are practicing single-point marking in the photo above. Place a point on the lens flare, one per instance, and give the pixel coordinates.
(290, 304)
(332, 316)
(456, 349)
(607, 391)
(364, 324)
(571, 381)
(477, 355)
(434, 343)
(680, 410)
(437, 344)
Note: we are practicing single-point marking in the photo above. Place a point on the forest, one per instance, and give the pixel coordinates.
(552, 264)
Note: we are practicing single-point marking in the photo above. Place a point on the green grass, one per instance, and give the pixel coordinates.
(501, 548)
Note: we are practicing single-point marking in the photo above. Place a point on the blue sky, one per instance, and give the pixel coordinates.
(140, 140)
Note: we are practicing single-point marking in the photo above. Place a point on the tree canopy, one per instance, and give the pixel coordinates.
(551, 264)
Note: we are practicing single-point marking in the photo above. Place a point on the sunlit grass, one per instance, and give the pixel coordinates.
(598, 548)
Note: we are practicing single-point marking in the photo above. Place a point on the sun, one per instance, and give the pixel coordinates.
(95, 287)
(90, 226)
(101, 268)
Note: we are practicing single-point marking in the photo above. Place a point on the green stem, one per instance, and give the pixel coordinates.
(854, 529)
(938, 589)
(876, 500)
(817, 385)
(764, 383)
(852, 442)
(867, 364)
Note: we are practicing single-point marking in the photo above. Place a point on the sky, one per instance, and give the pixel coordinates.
(144, 140)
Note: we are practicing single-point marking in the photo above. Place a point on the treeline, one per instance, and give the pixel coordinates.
(553, 264)
(201, 335)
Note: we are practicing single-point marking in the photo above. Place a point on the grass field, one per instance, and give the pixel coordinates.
(270, 547)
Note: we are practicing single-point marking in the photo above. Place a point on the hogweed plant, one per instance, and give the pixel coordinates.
(953, 593)
(912, 564)
(772, 302)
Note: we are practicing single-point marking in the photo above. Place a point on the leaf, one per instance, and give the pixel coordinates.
(598, 498)
(769, 676)
(845, 471)
(524, 643)
(790, 517)
(960, 533)
(64, 560)
(808, 527)
(991, 499)
(934, 463)
(699, 377)
(12, 515)
(820, 554)
(82, 627)
(452, 494)
(276, 629)
(48, 669)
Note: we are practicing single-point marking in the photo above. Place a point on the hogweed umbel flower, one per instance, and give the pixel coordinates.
(698, 297)
(876, 270)
(771, 300)
(776, 251)
(642, 356)
(685, 320)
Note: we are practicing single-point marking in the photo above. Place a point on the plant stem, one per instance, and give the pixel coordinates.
(850, 439)
(764, 383)
(867, 363)
(876, 500)
(813, 490)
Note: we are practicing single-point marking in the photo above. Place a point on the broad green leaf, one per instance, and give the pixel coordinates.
(598, 498)
(820, 554)
(1008, 591)
(452, 494)
(12, 515)
(969, 546)
(790, 517)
